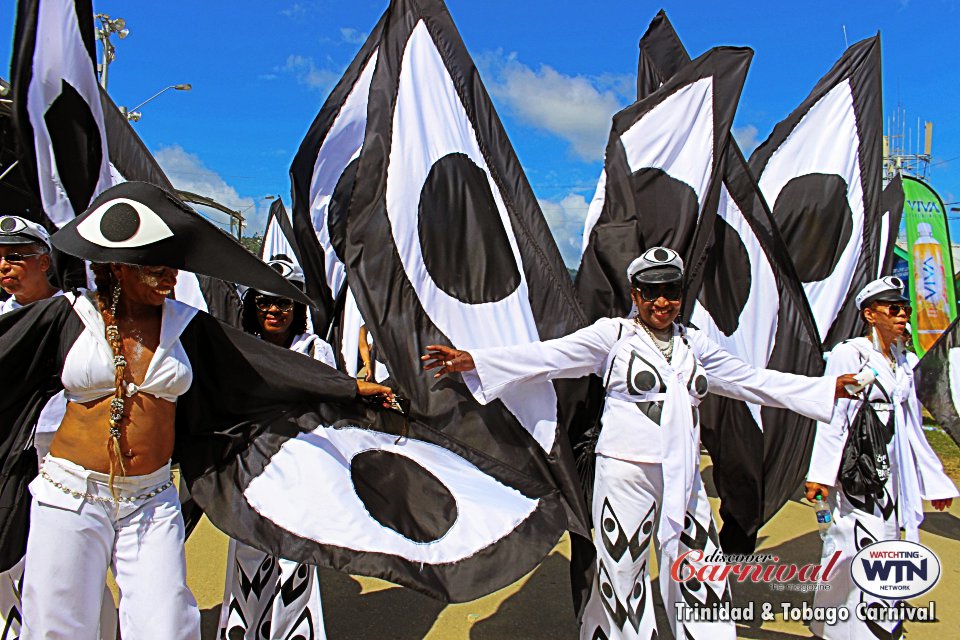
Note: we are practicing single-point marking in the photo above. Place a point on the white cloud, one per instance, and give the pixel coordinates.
(565, 218)
(577, 109)
(188, 173)
(308, 73)
(352, 36)
(746, 137)
(296, 10)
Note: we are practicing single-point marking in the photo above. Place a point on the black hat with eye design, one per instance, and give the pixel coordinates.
(142, 224)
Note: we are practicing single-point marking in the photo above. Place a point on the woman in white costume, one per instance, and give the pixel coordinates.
(647, 484)
(916, 472)
(266, 596)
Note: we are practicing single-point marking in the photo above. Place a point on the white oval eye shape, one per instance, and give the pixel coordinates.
(123, 223)
(10, 224)
(661, 255)
(894, 281)
(487, 510)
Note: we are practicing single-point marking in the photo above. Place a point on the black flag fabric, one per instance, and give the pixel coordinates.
(753, 305)
(57, 107)
(892, 207)
(661, 179)
(445, 243)
(820, 170)
(938, 381)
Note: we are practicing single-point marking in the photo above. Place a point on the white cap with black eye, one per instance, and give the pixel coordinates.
(656, 265)
(17, 230)
(288, 269)
(887, 289)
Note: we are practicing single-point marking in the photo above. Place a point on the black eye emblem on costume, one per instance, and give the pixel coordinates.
(893, 281)
(815, 206)
(697, 384)
(281, 267)
(726, 287)
(465, 247)
(10, 225)
(642, 376)
(123, 223)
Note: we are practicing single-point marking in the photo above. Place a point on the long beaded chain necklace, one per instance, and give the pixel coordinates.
(665, 348)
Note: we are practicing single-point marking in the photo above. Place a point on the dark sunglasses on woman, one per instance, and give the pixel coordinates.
(264, 303)
(895, 308)
(653, 292)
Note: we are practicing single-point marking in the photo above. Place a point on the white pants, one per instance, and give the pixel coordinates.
(266, 596)
(627, 500)
(72, 541)
(857, 522)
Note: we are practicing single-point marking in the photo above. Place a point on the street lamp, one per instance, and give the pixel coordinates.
(134, 116)
(109, 26)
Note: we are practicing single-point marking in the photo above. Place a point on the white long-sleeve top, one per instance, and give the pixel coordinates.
(919, 472)
(650, 410)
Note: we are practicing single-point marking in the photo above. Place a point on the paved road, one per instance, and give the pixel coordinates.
(538, 606)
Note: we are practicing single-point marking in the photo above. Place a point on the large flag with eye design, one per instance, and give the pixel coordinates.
(660, 182)
(820, 171)
(57, 107)
(410, 189)
(753, 305)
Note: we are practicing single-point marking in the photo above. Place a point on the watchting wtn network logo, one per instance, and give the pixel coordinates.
(895, 569)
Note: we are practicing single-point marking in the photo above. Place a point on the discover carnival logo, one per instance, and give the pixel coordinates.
(895, 569)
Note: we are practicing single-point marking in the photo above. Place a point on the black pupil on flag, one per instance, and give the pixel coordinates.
(403, 496)
(726, 283)
(337, 210)
(75, 140)
(660, 255)
(120, 222)
(814, 206)
(666, 211)
(701, 385)
(465, 247)
(8, 224)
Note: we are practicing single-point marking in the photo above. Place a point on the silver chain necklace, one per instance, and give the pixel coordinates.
(666, 351)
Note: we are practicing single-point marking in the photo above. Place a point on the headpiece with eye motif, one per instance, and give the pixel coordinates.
(142, 224)
(17, 230)
(886, 289)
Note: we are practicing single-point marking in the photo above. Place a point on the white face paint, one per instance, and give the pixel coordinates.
(306, 467)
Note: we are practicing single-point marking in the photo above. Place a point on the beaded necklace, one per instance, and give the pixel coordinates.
(665, 347)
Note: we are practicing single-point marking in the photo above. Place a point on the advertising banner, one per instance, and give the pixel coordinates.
(931, 263)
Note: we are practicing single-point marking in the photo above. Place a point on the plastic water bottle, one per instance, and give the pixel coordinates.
(824, 518)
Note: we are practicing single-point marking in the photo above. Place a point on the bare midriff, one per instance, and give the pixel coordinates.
(146, 443)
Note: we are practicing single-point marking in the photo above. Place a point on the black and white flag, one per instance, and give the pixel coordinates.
(661, 179)
(891, 203)
(57, 107)
(409, 188)
(753, 305)
(278, 238)
(820, 170)
(938, 381)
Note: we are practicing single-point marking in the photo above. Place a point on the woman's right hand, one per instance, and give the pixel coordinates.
(813, 488)
(447, 359)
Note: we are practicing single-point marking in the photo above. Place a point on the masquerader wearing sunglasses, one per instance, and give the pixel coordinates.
(283, 322)
(915, 472)
(24, 262)
(647, 483)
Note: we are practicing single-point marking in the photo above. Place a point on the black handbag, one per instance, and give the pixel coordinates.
(865, 465)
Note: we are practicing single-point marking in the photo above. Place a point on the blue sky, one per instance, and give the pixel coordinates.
(557, 71)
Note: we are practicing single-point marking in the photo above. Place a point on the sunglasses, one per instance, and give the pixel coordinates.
(653, 292)
(894, 309)
(264, 303)
(19, 258)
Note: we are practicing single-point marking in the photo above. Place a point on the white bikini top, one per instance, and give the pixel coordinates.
(88, 371)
